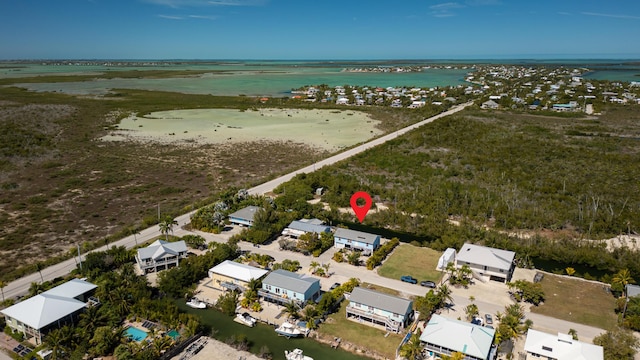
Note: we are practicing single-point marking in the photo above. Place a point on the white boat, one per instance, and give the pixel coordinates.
(296, 354)
(289, 330)
(246, 319)
(196, 303)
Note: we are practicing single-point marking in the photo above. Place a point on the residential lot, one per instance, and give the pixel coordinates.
(407, 259)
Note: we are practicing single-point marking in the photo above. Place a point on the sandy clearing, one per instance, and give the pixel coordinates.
(325, 129)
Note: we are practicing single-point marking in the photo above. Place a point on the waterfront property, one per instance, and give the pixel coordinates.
(540, 345)
(445, 336)
(231, 275)
(244, 216)
(496, 264)
(161, 255)
(52, 309)
(303, 226)
(376, 308)
(356, 240)
(283, 287)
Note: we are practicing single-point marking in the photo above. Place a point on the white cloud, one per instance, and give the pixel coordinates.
(171, 17)
(205, 17)
(445, 9)
(612, 15)
(205, 3)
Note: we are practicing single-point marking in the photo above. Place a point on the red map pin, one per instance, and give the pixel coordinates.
(361, 211)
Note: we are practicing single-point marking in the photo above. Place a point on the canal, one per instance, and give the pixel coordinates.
(264, 335)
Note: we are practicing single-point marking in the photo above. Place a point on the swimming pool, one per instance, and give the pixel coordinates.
(173, 334)
(135, 333)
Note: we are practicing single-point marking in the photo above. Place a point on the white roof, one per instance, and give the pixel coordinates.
(482, 255)
(71, 288)
(561, 347)
(356, 235)
(378, 300)
(50, 306)
(456, 335)
(160, 249)
(238, 271)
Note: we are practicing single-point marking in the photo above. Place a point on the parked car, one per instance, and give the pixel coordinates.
(488, 319)
(477, 321)
(409, 279)
(428, 283)
(335, 285)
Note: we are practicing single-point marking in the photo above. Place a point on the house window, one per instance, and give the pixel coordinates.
(277, 290)
(485, 268)
(268, 287)
(501, 270)
(370, 308)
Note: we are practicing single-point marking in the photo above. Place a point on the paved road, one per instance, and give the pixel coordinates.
(21, 286)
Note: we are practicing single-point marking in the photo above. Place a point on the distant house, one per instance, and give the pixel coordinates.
(52, 309)
(244, 216)
(496, 264)
(161, 255)
(449, 256)
(445, 336)
(540, 345)
(490, 104)
(300, 227)
(376, 308)
(633, 290)
(356, 240)
(231, 275)
(283, 287)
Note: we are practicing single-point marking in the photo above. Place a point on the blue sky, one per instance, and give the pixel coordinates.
(328, 29)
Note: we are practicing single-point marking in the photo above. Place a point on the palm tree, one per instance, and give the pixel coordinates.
(2, 286)
(313, 266)
(413, 348)
(291, 309)
(622, 278)
(310, 314)
(39, 268)
(56, 339)
(166, 226)
(444, 295)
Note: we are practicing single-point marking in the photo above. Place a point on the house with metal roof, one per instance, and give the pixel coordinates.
(496, 264)
(231, 275)
(445, 336)
(632, 290)
(540, 345)
(355, 240)
(161, 255)
(283, 287)
(52, 309)
(379, 309)
(300, 227)
(244, 216)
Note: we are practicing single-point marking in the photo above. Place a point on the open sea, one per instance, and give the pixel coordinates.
(278, 78)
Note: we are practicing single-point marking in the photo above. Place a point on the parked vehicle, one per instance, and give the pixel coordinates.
(335, 285)
(409, 279)
(488, 319)
(429, 284)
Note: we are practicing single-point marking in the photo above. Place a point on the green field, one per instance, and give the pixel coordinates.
(363, 336)
(578, 301)
(406, 259)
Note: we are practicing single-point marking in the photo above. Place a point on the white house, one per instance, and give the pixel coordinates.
(445, 336)
(161, 255)
(496, 264)
(234, 275)
(52, 309)
(449, 256)
(283, 287)
(356, 240)
(540, 345)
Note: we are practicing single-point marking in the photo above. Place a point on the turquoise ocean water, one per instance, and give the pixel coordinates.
(278, 78)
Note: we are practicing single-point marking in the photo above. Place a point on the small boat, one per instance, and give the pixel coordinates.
(296, 354)
(289, 330)
(196, 303)
(246, 319)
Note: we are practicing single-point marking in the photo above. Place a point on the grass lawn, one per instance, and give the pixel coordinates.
(576, 300)
(364, 336)
(406, 259)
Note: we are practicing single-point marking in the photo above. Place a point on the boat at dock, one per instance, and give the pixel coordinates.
(296, 354)
(245, 319)
(289, 330)
(197, 303)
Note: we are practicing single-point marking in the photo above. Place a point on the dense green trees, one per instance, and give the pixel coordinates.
(381, 253)
(527, 291)
(618, 344)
